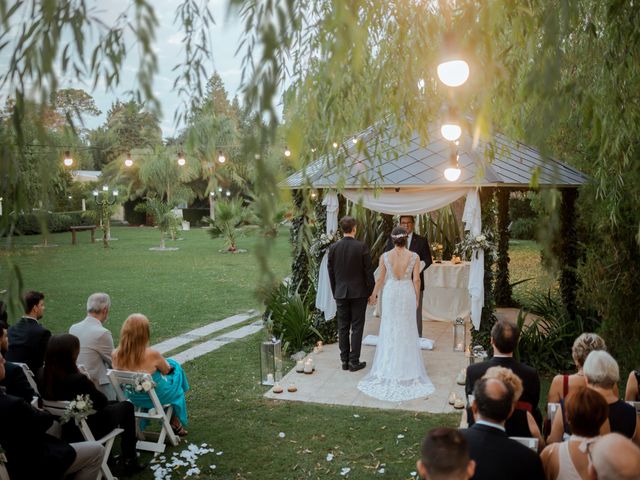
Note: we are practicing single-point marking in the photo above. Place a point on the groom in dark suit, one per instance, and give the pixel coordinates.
(351, 277)
(420, 245)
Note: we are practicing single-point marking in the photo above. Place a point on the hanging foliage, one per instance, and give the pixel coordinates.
(503, 291)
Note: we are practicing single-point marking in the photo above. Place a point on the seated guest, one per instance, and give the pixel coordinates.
(133, 354)
(445, 456)
(632, 394)
(96, 342)
(504, 340)
(28, 338)
(32, 453)
(614, 457)
(521, 423)
(497, 457)
(15, 381)
(602, 374)
(563, 385)
(586, 412)
(61, 380)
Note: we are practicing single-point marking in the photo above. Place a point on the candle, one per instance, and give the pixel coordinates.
(308, 366)
(299, 366)
(270, 378)
(320, 346)
(460, 347)
(452, 398)
(316, 350)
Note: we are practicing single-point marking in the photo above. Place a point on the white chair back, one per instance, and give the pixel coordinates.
(58, 408)
(528, 442)
(552, 409)
(160, 413)
(31, 378)
(635, 405)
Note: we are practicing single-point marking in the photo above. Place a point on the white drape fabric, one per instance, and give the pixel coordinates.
(473, 223)
(408, 201)
(331, 202)
(324, 296)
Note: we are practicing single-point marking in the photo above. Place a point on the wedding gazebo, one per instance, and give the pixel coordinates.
(407, 177)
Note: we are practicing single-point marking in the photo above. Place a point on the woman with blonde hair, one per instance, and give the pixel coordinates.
(133, 354)
(563, 385)
(521, 423)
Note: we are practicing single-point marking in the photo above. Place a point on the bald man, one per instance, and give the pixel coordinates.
(497, 457)
(614, 457)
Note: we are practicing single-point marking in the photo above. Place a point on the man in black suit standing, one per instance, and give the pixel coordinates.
(504, 339)
(28, 338)
(497, 456)
(351, 277)
(420, 245)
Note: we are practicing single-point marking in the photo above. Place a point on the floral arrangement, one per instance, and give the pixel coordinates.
(78, 409)
(474, 243)
(142, 382)
(320, 245)
(437, 249)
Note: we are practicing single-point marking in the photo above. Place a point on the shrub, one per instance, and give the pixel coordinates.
(31, 223)
(289, 318)
(524, 229)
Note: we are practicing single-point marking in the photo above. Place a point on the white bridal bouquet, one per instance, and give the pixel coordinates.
(78, 409)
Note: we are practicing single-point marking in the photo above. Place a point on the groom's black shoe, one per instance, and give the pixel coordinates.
(345, 365)
(354, 367)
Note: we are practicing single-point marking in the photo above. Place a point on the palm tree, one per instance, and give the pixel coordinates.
(162, 214)
(230, 215)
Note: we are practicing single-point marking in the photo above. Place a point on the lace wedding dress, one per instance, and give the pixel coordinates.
(398, 371)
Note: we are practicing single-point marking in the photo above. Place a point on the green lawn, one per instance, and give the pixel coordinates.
(177, 290)
(525, 264)
(194, 286)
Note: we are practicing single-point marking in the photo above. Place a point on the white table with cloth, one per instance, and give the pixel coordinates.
(446, 293)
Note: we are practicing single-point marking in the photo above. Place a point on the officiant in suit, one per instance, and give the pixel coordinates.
(351, 278)
(420, 245)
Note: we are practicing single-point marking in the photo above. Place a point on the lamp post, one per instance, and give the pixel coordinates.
(105, 219)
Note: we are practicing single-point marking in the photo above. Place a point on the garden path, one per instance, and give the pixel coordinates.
(212, 344)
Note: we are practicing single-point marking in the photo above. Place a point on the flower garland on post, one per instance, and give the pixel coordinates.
(300, 243)
(503, 290)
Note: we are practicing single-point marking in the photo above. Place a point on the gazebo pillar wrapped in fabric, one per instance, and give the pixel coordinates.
(324, 296)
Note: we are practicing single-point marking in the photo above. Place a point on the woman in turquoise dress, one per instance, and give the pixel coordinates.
(133, 354)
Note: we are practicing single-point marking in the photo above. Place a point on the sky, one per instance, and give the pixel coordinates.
(225, 36)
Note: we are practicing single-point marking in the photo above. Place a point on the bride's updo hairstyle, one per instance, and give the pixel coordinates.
(399, 237)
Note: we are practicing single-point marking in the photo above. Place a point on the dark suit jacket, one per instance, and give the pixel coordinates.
(420, 245)
(27, 343)
(16, 383)
(528, 375)
(498, 457)
(31, 453)
(350, 269)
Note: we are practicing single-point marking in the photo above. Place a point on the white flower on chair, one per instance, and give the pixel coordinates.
(78, 410)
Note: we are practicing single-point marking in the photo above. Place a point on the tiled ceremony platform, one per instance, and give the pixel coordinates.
(329, 384)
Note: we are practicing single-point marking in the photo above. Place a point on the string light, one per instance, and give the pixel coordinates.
(68, 161)
(335, 144)
(453, 73)
(451, 131)
(287, 152)
(354, 140)
(228, 193)
(221, 157)
(181, 160)
(128, 162)
(452, 173)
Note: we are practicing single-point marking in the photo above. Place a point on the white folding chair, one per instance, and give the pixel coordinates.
(528, 442)
(552, 409)
(31, 378)
(160, 413)
(58, 408)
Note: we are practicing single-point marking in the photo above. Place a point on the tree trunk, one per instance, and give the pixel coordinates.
(162, 240)
(568, 250)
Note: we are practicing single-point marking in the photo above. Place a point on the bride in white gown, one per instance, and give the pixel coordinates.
(398, 372)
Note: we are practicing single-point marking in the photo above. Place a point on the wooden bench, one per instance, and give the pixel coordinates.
(77, 228)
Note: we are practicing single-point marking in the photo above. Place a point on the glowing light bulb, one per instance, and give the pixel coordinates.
(221, 157)
(451, 131)
(452, 173)
(287, 152)
(181, 160)
(335, 144)
(128, 162)
(453, 73)
(68, 161)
